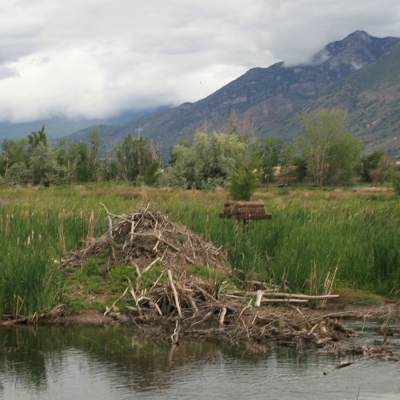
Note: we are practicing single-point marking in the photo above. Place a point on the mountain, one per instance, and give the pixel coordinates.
(371, 98)
(270, 98)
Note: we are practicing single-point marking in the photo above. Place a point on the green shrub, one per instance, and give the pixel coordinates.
(243, 183)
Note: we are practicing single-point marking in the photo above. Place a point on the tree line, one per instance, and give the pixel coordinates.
(326, 153)
(34, 159)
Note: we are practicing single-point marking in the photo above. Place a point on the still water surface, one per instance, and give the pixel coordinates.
(104, 363)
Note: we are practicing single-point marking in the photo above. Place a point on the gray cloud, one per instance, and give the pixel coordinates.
(96, 58)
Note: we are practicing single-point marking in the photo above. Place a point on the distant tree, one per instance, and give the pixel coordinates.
(332, 153)
(84, 163)
(96, 164)
(43, 164)
(206, 163)
(136, 160)
(270, 155)
(17, 171)
(368, 163)
(13, 152)
(78, 162)
(35, 138)
(394, 178)
(383, 171)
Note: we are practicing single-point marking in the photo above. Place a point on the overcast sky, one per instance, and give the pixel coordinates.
(97, 58)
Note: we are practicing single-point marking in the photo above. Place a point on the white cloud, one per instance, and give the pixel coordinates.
(96, 58)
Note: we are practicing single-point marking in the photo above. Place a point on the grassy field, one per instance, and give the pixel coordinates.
(315, 238)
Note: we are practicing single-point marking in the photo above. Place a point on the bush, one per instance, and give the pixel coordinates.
(394, 178)
(243, 183)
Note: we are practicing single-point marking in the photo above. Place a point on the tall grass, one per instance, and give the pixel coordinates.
(311, 234)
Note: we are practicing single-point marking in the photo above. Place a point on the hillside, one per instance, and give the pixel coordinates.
(371, 98)
(269, 98)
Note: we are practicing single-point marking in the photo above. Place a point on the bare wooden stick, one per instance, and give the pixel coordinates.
(241, 312)
(302, 296)
(137, 270)
(134, 297)
(175, 335)
(271, 301)
(205, 318)
(110, 225)
(155, 283)
(151, 264)
(192, 302)
(259, 298)
(113, 304)
(171, 282)
(222, 316)
(205, 294)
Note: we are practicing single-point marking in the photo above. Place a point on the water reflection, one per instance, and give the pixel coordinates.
(100, 363)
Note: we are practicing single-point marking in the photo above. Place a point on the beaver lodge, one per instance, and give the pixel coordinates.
(180, 304)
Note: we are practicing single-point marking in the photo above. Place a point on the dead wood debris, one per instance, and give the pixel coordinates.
(144, 236)
(204, 309)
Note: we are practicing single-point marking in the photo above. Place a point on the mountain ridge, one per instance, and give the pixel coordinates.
(269, 98)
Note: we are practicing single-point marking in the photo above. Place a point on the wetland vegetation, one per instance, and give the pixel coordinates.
(349, 236)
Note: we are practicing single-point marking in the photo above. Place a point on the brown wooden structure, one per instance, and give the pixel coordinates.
(245, 211)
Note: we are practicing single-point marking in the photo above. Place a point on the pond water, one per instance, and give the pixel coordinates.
(109, 362)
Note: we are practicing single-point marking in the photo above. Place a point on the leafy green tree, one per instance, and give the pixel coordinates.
(383, 171)
(136, 160)
(35, 138)
(206, 163)
(96, 164)
(368, 163)
(332, 153)
(242, 183)
(83, 161)
(17, 171)
(270, 154)
(43, 164)
(394, 178)
(13, 152)
(78, 162)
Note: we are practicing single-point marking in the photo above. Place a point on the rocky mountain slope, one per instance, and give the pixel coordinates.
(270, 98)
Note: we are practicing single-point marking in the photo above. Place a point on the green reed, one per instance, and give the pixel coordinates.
(311, 234)
(359, 237)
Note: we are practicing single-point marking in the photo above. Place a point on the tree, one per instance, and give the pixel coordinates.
(35, 138)
(331, 152)
(242, 183)
(269, 154)
(96, 165)
(13, 152)
(206, 163)
(43, 164)
(136, 160)
(383, 171)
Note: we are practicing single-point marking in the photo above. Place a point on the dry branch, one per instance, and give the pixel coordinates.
(171, 282)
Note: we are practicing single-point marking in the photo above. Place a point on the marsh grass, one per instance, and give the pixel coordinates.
(312, 235)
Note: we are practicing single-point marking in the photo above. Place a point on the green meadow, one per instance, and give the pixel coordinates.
(317, 240)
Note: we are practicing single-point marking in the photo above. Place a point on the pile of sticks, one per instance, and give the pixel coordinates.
(145, 236)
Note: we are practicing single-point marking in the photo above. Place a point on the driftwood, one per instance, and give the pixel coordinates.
(338, 366)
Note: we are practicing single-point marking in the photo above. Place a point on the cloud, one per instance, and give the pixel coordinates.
(97, 58)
